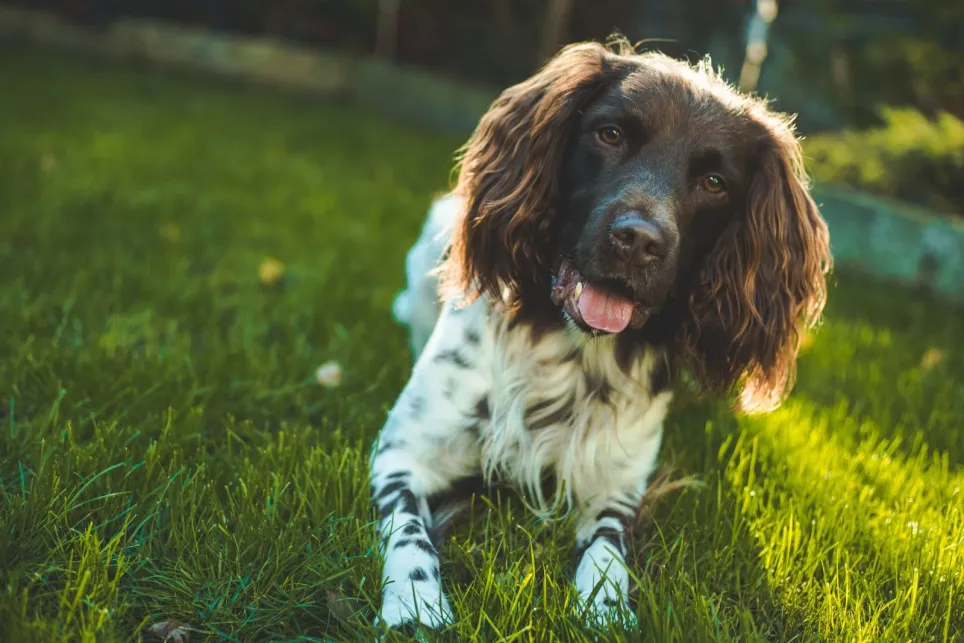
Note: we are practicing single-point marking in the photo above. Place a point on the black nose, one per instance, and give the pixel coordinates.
(637, 240)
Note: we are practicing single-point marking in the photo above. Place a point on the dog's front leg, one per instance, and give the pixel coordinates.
(429, 442)
(412, 589)
(602, 541)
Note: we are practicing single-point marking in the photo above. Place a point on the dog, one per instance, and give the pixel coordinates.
(619, 219)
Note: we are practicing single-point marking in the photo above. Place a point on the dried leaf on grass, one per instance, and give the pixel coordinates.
(170, 631)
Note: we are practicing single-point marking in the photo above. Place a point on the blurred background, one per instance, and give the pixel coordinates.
(196, 342)
(895, 67)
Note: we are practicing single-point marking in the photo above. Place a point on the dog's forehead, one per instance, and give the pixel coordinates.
(668, 94)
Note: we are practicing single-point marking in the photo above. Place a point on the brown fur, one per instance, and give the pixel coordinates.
(508, 174)
(763, 282)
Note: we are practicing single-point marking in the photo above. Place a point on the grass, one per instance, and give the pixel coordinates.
(166, 453)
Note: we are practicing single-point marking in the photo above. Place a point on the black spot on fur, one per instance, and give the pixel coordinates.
(454, 357)
(403, 543)
(425, 546)
(610, 602)
(539, 324)
(449, 388)
(436, 574)
(559, 415)
(418, 575)
(628, 348)
(472, 336)
(659, 378)
(612, 537)
(482, 409)
(599, 387)
(629, 509)
(407, 500)
(622, 518)
(460, 490)
(389, 445)
(389, 489)
(386, 445)
(412, 529)
(395, 475)
(417, 407)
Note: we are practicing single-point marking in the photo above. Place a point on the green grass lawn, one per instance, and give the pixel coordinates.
(165, 451)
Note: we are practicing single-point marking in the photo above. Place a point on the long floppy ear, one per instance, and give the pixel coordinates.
(508, 175)
(764, 282)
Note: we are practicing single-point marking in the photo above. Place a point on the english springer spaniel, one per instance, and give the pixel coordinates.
(619, 218)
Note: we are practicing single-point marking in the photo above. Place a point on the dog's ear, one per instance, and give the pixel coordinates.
(508, 175)
(764, 282)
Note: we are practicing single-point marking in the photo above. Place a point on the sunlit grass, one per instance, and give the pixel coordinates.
(165, 451)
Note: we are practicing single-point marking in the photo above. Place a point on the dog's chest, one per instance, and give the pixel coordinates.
(568, 408)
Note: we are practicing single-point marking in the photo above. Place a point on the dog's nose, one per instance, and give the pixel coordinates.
(638, 240)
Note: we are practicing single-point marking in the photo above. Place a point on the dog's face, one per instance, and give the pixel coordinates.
(652, 175)
(624, 192)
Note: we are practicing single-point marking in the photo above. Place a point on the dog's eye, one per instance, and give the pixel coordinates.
(714, 184)
(609, 135)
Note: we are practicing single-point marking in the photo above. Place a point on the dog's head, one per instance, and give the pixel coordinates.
(635, 195)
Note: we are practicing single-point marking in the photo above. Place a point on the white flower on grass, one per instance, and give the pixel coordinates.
(329, 374)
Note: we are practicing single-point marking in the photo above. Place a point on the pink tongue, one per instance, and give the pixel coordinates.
(604, 311)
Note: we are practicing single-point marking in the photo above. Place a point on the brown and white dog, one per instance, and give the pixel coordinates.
(618, 218)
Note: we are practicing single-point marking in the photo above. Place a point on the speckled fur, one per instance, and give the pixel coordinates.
(492, 398)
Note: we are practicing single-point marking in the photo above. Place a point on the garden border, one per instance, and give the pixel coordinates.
(885, 238)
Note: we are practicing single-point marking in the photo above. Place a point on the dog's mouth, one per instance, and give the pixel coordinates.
(597, 305)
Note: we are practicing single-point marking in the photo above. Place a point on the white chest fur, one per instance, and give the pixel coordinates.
(487, 397)
(522, 407)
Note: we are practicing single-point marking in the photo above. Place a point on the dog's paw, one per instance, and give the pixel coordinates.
(604, 609)
(423, 603)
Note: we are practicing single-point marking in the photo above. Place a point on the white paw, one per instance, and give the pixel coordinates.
(418, 603)
(602, 588)
(605, 608)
